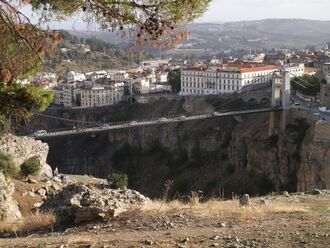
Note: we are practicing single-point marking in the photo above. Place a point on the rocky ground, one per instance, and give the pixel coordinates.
(288, 220)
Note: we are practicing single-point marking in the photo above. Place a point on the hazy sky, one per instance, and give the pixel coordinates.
(236, 10)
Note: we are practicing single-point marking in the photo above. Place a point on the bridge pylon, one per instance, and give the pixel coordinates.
(281, 95)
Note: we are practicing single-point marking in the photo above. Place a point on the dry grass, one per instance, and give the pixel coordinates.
(224, 209)
(29, 223)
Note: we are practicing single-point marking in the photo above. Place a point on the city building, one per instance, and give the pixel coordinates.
(154, 63)
(326, 69)
(294, 70)
(225, 79)
(310, 71)
(98, 95)
(273, 58)
(141, 86)
(75, 76)
(67, 93)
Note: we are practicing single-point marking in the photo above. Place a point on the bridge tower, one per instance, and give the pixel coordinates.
(280, 98)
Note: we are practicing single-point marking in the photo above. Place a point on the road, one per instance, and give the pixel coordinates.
(313, 107)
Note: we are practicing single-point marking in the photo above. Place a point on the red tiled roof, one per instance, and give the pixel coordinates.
(258, 68)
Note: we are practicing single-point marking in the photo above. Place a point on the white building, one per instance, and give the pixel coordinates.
(98, 96)
(153, 63)
(162, 77)
(141, 86)
(97, 75)
(120, 76)
(224, 79)
(75, 76)
(295, 70)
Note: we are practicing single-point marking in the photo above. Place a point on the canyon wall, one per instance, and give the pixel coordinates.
(213, 155)
(227, 156)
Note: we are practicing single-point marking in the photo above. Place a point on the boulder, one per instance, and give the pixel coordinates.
(23, 148)
(8, 206)
(42, 192)
(81, 203)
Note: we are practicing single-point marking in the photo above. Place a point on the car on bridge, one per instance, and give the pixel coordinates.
(182, 117)
(163, 119)
(105, 126)
(216, 114)
(39, 133)
(133, 123)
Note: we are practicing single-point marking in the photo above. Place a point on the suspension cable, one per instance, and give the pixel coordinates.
(66, 119)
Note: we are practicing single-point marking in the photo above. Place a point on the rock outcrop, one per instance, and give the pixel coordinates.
(8, 207)
(80, 203)
(314, 171)
(23, 148)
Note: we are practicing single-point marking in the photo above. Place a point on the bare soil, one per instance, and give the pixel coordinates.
(292, 221)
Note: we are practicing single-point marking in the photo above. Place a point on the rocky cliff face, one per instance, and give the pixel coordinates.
(8, 207)
(232, 154)
(314, 170)
(23, 148)
(211, 155)
(276, 158)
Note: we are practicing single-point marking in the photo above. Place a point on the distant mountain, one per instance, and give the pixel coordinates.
(268, 33)
(261, 34)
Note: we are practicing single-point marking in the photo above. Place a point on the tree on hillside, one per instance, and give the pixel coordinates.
(174, 78)
(24, 45)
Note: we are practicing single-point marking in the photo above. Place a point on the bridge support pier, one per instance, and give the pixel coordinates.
(277, 122)
(280, 98)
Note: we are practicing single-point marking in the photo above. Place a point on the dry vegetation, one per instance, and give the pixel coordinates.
(30, 223)
(224, 209)
(273, 221)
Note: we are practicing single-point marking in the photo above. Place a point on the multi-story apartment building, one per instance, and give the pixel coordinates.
(224, 79)
(141, 85)
(66, 93)
(98, 95)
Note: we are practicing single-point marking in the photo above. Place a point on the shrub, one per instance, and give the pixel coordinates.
(117, 181)
(30, 167)
(7, 165)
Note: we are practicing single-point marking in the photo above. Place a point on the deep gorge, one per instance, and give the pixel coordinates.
(214, 156)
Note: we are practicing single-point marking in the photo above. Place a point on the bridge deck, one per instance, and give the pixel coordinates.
(132, 124)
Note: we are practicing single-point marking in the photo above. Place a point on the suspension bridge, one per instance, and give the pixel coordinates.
(147, 122)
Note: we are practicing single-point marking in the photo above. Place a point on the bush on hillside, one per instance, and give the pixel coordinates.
(7, 165)
(117, 181)
(30, 167)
